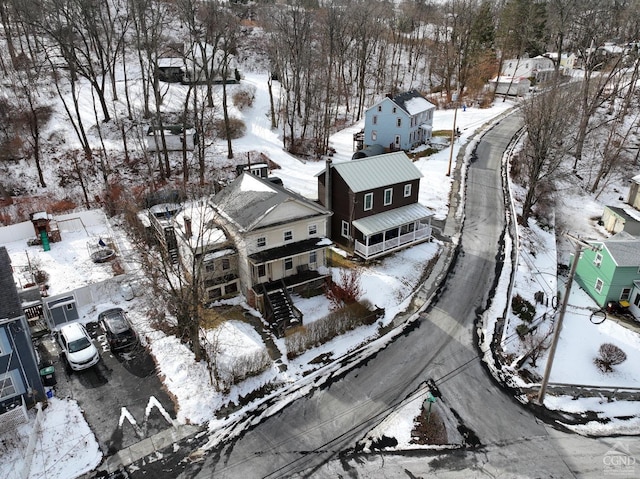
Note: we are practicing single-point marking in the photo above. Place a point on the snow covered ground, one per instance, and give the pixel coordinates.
(388, 284)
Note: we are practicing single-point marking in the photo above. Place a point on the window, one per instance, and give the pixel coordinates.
(209, 267)
(313, 230)
(313, 257)
(5, 347)
(226, 264)
(345, 229)
(388, 196)
(231, 288)
(399, 122)
(375, 119)
(288, 235)
(215, 293)
(626, 294)
(407, 190)
(288, 264)
(7, 388)
(379, 107)
(368, 201)
(599, 285)
(598, 260)
(10, 385)
(262, 241)
(374, 135)
(636, 300)
(397, 140)
(394, 109)
(262, 271)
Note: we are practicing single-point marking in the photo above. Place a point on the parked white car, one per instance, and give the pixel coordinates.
(77, 346)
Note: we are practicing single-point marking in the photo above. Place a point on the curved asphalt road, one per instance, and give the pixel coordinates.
(315, 436)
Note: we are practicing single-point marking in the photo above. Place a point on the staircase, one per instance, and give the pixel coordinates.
(282, 312)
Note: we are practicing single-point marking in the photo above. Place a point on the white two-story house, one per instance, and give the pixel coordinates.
(281, 239)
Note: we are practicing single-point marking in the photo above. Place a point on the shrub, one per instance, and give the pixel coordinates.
(609, 355)
(237, 128)
(522, 330)
(243, 99)
(346, 290)
(522, 308)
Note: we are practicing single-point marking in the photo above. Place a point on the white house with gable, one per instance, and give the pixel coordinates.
(401, 122)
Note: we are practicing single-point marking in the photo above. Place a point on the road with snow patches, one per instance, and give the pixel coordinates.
(317, 434)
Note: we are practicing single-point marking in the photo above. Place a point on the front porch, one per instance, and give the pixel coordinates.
(392, 230)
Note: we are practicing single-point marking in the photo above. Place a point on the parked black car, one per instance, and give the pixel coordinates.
(118, 329)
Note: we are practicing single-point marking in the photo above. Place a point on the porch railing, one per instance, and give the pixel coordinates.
(373, 250)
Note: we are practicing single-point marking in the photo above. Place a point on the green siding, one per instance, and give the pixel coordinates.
(614, 278)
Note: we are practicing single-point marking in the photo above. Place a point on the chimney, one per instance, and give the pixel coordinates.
(327, 183)
(187, 227)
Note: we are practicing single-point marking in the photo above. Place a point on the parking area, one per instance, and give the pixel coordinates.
(122, 397)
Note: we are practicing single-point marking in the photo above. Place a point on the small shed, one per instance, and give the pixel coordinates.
(257, 169)
(170, 69)
(634, 192)
(616, 219)
(177, 138)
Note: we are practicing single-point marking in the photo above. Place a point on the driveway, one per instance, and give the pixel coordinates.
(121, 396)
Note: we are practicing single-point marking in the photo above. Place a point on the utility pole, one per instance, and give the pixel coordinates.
(453, 131)
(580, 244)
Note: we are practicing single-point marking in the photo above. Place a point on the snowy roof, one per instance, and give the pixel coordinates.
(218, 254)
(507, 79)
(391, 219)
(636, 179)
(377, 171)
(413, 102)
(168, 62)
(247, 199)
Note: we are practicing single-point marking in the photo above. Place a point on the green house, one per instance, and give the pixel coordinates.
(609, 270)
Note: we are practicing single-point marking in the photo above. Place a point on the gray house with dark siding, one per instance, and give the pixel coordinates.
(20, 383)
(375, 204)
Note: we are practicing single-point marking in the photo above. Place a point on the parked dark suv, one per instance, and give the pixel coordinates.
(118, 329)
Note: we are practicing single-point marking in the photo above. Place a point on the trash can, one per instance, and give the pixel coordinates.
(48, 376)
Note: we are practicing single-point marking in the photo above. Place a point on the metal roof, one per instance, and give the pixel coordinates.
(377, 171)
(391, 219)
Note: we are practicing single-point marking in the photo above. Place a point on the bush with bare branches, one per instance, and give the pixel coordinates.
(346, 290)
(609, 355)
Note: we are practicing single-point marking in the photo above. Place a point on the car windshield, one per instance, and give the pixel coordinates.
(79, 345)
(117, 324)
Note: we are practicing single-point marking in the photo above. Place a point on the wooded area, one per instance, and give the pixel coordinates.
(332, 60)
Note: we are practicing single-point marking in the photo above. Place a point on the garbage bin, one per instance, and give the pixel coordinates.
(48, 376)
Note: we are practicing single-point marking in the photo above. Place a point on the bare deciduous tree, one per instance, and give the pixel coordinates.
(546, 119)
